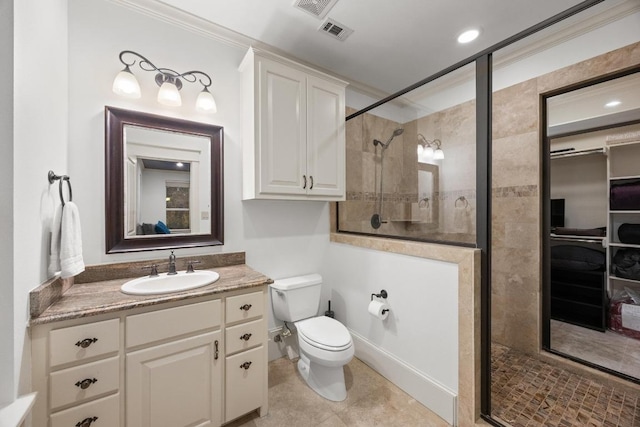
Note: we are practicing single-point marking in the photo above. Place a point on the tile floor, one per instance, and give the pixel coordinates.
(371, 401)
(526, 392)
(608, 349)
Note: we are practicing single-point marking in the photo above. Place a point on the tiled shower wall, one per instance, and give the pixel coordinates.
(516, 217)
(455, 127)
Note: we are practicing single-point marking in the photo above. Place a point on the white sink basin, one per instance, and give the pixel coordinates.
(165, 284)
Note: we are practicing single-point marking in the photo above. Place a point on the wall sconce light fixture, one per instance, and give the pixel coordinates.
(170, 82)
(425, 148)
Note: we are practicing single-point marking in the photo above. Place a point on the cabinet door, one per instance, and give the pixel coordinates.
(245, 376)
(282, 157)
(175, 384)
(325, 139)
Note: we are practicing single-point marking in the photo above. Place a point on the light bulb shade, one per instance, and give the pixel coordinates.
(125, 84)
(205, 102)
(438, 154)
(169, 95)
(428, 152)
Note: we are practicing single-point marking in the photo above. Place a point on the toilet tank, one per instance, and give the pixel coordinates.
(296, 298)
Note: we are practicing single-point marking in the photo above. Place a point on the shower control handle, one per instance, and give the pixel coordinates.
(304, 186)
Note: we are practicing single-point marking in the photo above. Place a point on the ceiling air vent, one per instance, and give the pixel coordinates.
(317, 8)
(335, 29)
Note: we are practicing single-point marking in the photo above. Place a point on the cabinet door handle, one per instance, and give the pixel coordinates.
(311, 186)
(245, 307)
(245, 365)
(86, 342)
(245, 337)
(304, 177)
(84, 384)
(215, 350)
(86, 422)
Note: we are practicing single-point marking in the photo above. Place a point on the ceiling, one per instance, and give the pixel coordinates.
(394, 43)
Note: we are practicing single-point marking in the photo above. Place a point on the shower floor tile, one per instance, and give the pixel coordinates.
(526, 392)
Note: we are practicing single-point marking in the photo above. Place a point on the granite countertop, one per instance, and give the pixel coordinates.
(100, 297)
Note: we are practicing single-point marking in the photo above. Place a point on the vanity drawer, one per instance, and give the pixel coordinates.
(244, 387)
(244, 307)
(172, 322)
(66, 385)
(82, 342)
(244, 336)
(106, 412)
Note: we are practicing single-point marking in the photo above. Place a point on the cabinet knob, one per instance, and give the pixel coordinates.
(84, 384)
(245, 337)
(245, 307)
(86, 342)
(86, 422)
(245, 365)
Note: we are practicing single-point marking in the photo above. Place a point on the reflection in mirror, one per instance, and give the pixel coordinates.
(164, 184)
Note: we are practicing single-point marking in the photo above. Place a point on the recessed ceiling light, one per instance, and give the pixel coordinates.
(468, 36)
(612, 104)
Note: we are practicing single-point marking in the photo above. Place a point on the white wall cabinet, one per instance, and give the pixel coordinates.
(293, 130)
(151, 367)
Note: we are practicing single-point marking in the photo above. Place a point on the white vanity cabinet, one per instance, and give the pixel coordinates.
(176, 381)
(246, 354)
(76, 371)
(293, 130)
(175, 364)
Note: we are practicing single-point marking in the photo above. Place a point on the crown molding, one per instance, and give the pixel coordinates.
(161, 11)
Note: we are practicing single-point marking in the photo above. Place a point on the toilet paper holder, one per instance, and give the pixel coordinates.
(382, 294)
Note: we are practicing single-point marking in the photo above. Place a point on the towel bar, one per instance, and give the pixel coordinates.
(51, 176)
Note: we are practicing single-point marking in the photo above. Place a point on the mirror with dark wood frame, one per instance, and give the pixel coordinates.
(163, 182)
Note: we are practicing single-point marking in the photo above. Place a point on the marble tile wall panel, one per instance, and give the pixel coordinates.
(516, 205)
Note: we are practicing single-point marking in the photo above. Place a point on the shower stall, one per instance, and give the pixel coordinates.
(411, 167)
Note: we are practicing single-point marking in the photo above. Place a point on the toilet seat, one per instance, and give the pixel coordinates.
(324, 333)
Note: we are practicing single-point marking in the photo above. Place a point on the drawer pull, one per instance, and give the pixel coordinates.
(245, 307)
(245, 337)
(245, 365)
(305, 181)
(86, 422)
(84, 384)
(86, 342)
(215, 350)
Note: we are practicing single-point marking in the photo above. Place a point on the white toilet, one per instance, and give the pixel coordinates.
(325, 344)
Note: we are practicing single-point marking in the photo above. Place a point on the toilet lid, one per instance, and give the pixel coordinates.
(324, 332)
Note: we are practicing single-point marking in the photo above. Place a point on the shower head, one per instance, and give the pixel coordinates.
(395, 133)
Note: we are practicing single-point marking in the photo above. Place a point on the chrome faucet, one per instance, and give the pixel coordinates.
(172, 265)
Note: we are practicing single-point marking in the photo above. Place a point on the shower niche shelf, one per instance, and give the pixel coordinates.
(293, 130)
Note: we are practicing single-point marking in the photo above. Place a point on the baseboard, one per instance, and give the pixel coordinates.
(425, 390)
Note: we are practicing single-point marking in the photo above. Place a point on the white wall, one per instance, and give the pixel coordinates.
(153, 205)
(39, 144)
(422, 329)
(6, 208)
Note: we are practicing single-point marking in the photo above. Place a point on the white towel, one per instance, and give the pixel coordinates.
(54, 254)
(461, 219)
(71, 262)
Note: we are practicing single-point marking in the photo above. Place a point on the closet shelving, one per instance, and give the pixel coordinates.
(623, 166)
